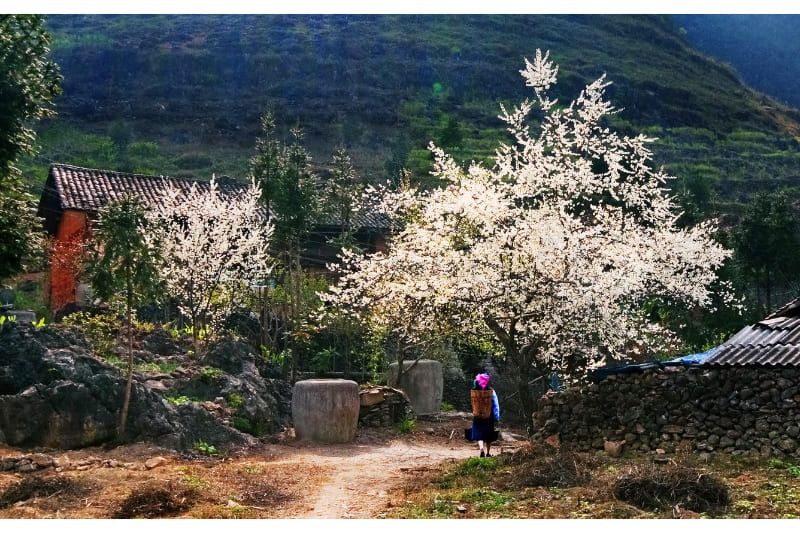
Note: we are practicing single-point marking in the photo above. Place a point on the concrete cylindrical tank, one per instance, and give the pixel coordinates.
(325, 410)
(423, 384)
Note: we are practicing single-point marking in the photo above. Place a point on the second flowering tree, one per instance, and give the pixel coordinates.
(551, 252)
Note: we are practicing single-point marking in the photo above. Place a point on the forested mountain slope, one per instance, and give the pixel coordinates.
(182, 94)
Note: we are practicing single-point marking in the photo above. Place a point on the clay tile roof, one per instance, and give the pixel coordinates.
(774, 341)
(86, 189)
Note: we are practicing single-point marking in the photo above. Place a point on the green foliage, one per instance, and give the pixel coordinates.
(235, 400)
(205, 448)
(5, 318)
(209, 374)
(30, 83)
(485, 500)
(476, 466)
(101, 330)
(406, 425)
(242, 424)
(288, 186)
(179, 400)
(279, 358)
(766, 243)
(122, 268)
(448, 407)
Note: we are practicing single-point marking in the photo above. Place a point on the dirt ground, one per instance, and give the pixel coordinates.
(292, 479)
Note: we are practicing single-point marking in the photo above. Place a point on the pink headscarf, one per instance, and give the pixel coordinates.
(482, 380)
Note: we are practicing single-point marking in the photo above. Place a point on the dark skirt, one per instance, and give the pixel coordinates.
(483, 429)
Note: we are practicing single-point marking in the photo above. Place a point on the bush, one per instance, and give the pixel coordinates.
(101, 330)
(656, 487)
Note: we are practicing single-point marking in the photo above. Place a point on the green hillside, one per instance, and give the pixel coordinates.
(182, 94)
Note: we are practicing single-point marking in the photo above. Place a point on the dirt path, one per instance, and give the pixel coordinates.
(291, 479)
(360, 476)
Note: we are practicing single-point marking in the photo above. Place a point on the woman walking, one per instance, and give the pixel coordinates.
(485, 412)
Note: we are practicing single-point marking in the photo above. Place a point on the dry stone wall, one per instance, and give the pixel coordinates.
(733, 410)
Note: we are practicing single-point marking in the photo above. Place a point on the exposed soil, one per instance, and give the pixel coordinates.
(285, 480)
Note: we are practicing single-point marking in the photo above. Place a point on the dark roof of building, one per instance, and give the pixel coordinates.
(87, 189)
(774, 341)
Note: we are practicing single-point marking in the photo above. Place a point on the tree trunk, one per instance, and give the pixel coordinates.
(123, 419)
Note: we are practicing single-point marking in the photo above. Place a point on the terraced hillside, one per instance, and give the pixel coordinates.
(182, 94)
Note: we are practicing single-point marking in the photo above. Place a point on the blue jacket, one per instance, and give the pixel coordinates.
(495, 406)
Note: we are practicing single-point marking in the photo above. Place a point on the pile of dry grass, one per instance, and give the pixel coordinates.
(263, 493)
(654, 487)
(154, 502)
(543, 467)
(35, 487)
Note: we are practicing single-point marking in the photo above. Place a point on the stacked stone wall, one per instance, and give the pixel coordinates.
(737, 410)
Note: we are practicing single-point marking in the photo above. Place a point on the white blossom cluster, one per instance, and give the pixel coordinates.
(211, 246)
(552, 251)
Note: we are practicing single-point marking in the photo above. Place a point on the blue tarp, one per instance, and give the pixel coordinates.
(627, 368)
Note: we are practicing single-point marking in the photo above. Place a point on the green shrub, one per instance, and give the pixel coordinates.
(448, 407)
(209, 374)
(101, 330)
(242, 424)
(205, 448)
(178, 400)
(235, 400)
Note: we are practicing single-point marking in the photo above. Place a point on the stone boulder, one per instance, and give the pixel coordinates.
(259, 404)
(55, 393)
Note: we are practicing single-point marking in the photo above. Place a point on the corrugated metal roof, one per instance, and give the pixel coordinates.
(774, 341)
(88, 189)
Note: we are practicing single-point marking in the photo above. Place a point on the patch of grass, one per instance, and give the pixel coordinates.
(195, 482)
(448, 407)
(406, 425)
(485, 500)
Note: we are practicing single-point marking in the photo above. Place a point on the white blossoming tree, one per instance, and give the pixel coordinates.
(551, 252)
(211, 246)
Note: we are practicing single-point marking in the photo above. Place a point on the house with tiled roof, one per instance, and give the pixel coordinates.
(72, 197)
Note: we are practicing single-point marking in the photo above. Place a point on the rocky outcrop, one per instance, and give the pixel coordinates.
(258, 403)
(55, 393)
(752, 411)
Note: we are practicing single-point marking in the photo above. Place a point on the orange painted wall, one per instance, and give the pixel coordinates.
(66, 257)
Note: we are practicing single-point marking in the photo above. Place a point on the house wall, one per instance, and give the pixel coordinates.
(66, 257)
(738, 410)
